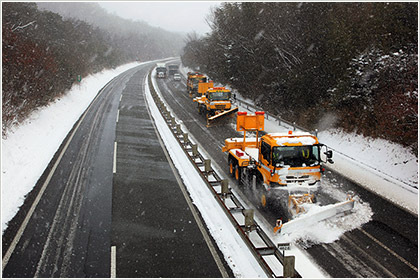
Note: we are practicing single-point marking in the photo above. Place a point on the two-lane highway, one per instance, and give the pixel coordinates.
(156, 230)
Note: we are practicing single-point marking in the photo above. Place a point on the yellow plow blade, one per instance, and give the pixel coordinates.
(308, 219)
(221, 115)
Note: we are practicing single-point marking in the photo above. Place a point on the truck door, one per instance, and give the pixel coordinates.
(265, 159)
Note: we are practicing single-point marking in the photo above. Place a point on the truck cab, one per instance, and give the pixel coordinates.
(193, 79)
(289, 158)
(217, 99)
(161, 70)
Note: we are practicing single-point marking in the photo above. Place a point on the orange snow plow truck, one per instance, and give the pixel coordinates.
(279, 166)
(193, 81)
(215, 102)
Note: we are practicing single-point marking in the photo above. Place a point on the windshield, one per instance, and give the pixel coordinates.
(219, 95)
(198, 79)
(296, 156)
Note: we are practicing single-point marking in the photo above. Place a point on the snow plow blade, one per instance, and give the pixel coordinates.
(310, 218)
(221, 115)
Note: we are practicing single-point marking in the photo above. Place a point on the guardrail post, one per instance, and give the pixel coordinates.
(194, 150)
(289, 267)
(178, 128)
(207, 165)
(254, 182)
(225, 187)
(249, 219)
(185, 136)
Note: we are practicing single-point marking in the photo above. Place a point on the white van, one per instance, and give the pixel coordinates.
(177, 77)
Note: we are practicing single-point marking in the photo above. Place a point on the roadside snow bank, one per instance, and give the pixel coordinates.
(385, 168)
(389, 158)
(29, 147)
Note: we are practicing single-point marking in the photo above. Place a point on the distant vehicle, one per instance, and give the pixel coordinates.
(177, 77)
(161, 70)
(172, 69)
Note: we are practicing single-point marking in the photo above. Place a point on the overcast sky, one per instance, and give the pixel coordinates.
(179, 16)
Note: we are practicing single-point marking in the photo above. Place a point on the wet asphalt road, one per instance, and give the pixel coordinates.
(153, 228)
(88, 204)
(385, 247)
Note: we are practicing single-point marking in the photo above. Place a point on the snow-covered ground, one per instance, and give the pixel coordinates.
(28, 149)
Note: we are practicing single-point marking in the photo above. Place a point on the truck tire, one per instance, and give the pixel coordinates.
(238, 172)
(231, 167)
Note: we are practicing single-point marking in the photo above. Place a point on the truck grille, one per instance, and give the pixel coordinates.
(297, 179)
(220, 106)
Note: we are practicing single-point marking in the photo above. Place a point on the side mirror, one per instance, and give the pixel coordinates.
(329, 154)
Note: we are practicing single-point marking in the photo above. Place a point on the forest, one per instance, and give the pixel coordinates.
(45, 53)
(320, 64)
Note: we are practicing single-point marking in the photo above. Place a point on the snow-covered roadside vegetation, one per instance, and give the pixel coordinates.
(46, 53)
(301, 61)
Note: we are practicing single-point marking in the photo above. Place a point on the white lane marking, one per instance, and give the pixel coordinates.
(120, 97)
(389, 250)
(113, 262)
(114, 168)
(118, 115)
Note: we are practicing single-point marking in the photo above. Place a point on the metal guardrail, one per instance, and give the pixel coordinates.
(222, 193)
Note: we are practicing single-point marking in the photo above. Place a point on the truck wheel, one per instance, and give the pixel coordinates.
(237, 173)
(231, 168)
